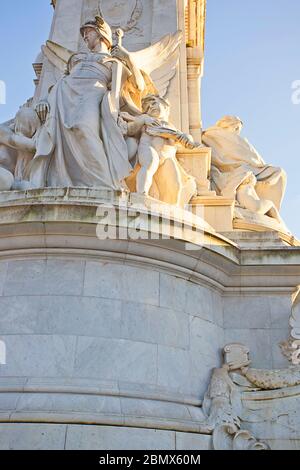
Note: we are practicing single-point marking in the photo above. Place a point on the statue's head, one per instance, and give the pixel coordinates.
(95, 31)
(156, 107)
(236, 356)
(231, 123)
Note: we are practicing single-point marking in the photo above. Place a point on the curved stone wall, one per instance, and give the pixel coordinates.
(100, 332)
(116, 338)
(113, 338)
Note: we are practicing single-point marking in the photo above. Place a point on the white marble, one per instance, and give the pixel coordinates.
(172, 292)
(3, 272)
(174, 369)
(258, 340)
(75, 437)
(32, 436)
(116, 359)
(53, 315)
(280, 307)
(44, 277)
(279, 361)
(207, 339)
(155, 325)
(115, 341)
(247, 312)
(38, 355)
(204, 303)
(121, 282)
(193, 442)
(67, 404)
(113, 438)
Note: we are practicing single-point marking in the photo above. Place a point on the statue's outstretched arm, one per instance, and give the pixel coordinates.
(122, 54)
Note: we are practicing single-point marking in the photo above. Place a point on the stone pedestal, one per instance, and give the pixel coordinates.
(111, 343)
(217, 211)
(197, 163)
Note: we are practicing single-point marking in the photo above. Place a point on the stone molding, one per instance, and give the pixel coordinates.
(39, 221)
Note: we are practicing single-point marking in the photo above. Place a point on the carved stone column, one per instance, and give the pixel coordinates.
(194, 72)
(195, 37)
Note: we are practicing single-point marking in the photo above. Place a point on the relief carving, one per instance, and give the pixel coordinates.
(122, 14)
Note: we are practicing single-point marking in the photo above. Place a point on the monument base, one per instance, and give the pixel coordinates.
(93, 437)
(110, 343)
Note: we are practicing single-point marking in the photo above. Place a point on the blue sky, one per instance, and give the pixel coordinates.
(252, 58)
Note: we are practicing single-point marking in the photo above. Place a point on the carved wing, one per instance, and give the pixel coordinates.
(58, 55)
(159, 61)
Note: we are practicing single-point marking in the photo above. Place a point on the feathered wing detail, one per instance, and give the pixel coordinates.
(58, 55)
(159, 61)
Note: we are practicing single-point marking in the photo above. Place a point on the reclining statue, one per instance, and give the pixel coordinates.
(240, 173)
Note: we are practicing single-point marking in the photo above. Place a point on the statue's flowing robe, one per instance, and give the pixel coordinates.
(81, 143)
(234, 159)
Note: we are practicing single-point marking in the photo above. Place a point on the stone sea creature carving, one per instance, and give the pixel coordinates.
(291, 348)
(222, 402)
(260, 379)
(228, 437)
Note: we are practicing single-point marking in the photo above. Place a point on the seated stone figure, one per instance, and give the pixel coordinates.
(17, 147)
(239, 172)
(159, 173)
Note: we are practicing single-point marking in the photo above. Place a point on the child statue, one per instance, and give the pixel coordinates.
(156, 152)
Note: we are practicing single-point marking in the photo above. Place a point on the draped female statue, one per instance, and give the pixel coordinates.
(81, 140)
(81, 143)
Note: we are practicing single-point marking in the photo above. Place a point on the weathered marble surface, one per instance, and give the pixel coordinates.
(247, 407)
(76, 437)
(155, 313)
(122, 335)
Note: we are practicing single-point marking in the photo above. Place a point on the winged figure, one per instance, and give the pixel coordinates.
(157, 64)
(81, 142)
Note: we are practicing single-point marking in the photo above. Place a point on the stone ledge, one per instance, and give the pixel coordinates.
(23, 436)
(106, 410)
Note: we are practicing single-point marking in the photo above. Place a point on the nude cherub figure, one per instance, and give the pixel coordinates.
(157, 143)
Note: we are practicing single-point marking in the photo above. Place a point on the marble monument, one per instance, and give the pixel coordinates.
(134, 245)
